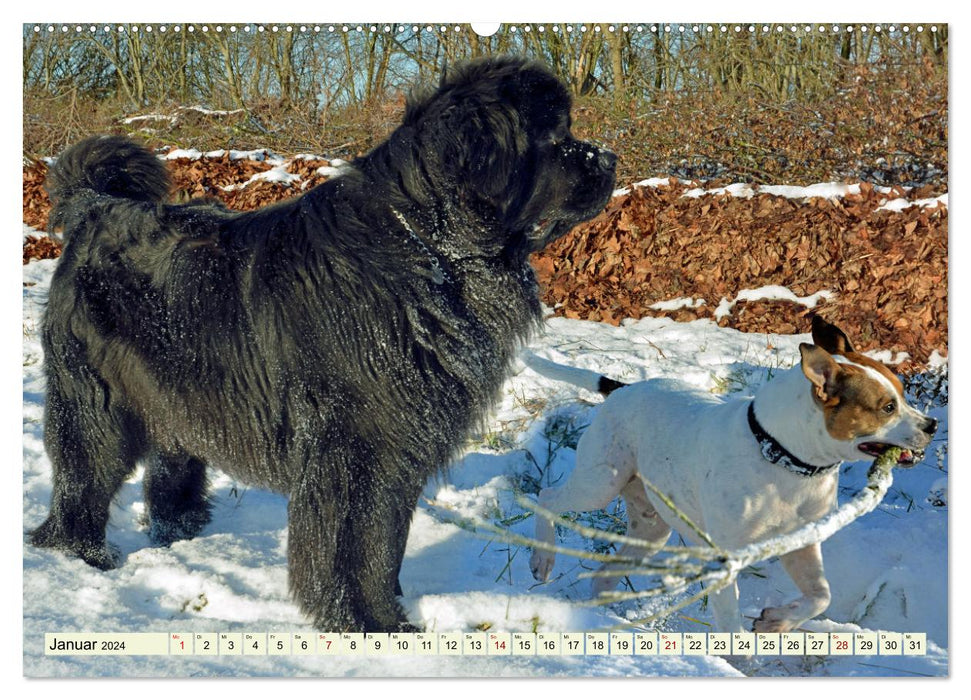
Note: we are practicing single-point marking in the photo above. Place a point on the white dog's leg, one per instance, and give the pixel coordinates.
(644, 523)
(805, 566)
(603, 467)
(577, 494)
(724, 606)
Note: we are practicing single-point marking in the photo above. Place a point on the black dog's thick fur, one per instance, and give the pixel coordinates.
(337, 347)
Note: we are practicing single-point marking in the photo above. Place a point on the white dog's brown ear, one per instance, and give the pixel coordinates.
(821, 369)
(830, 337)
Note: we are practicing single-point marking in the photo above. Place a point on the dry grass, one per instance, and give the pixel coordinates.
(885, 124)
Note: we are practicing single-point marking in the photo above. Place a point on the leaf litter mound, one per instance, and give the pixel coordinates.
(883, 272)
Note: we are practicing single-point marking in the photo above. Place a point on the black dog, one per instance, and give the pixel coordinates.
(337, 347)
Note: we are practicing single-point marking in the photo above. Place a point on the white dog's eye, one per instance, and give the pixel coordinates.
(890, 408)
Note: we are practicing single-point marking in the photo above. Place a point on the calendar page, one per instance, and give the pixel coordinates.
(279, 282)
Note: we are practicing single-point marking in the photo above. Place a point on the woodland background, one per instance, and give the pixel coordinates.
(706, 104)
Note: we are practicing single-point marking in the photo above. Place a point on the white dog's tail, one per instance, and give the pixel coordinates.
(583, 378)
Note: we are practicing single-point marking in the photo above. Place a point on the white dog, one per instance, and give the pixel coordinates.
(742, 470)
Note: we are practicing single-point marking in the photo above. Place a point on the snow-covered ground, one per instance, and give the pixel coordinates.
(888, 570)
(825, 190)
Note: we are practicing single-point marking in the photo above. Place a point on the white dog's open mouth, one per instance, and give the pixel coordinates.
(908, 458)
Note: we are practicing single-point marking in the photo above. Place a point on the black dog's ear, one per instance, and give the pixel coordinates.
(486, 145)
(830, 337)
(478, 124)
(468, 139)
(542, 100)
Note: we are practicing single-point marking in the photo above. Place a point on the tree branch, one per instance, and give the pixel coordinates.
(713, 567)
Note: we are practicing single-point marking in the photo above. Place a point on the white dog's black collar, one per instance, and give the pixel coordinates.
(774, 452)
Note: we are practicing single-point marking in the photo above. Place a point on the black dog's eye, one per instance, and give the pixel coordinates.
(890, 408)
(559, 135)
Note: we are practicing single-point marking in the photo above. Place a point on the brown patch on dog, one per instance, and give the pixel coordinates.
(852, 401)
(862, 406)
(879, 367)
(834, 341)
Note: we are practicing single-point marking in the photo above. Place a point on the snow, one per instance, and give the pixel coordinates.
(213, 112)
(173, 119)
(277, 174)
(739, 189)
(260, 155)
(824, 190)
(680, 303)
(901, 203)
(149, 117)
(771, 293)
(888, 570)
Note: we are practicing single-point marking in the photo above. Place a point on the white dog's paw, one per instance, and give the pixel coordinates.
(775, 620)
(541, 564)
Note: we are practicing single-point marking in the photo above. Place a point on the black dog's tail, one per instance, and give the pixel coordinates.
(583, 378)
(106, 165)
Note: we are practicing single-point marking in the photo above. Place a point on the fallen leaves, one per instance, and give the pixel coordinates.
(40, 248)
(887, 269)
(654, 245)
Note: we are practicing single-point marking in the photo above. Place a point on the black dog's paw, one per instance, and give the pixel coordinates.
(165, 531)
(105, 557)
(101, 555)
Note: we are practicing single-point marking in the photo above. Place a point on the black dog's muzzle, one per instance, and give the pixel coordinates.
(606, 160)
